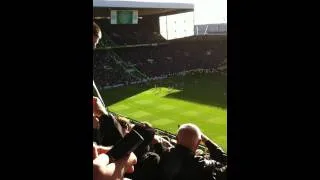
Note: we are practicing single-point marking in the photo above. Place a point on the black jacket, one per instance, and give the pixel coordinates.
(182, 164)
(110, 131)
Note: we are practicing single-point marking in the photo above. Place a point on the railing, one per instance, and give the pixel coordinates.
(160, 131)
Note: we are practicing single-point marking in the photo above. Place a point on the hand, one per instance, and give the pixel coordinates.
(95, 122)
(104, 170)
(98, 108)
(156, 139)
(167, 143)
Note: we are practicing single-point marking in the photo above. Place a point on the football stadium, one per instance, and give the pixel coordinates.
(154, 65)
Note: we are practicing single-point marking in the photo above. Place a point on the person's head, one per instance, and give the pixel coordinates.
(145, 123)
(125, 124)
(96, 34)
(189, 135)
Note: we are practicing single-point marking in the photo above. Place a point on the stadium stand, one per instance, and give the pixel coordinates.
(174, 57)
(138, 53)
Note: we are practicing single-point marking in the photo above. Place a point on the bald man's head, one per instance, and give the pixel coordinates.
(189, 135)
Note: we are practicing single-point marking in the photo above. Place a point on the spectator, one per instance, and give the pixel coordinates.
(149, 167)
(103, 169)
(110, 130)
(96, 35)
(181, 162)
(106, 129)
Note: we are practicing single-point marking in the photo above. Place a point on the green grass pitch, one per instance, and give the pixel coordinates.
(200, 99)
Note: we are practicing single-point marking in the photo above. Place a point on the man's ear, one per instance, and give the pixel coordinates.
(177, 138)
(197, 145)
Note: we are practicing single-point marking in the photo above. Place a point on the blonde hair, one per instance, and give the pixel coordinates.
(124, 122)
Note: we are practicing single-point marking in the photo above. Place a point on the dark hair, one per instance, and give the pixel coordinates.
(96, 29)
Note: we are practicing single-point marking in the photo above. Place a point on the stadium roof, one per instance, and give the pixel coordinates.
(102, 7)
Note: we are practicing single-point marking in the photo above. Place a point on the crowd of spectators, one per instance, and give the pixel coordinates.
(174, 57)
